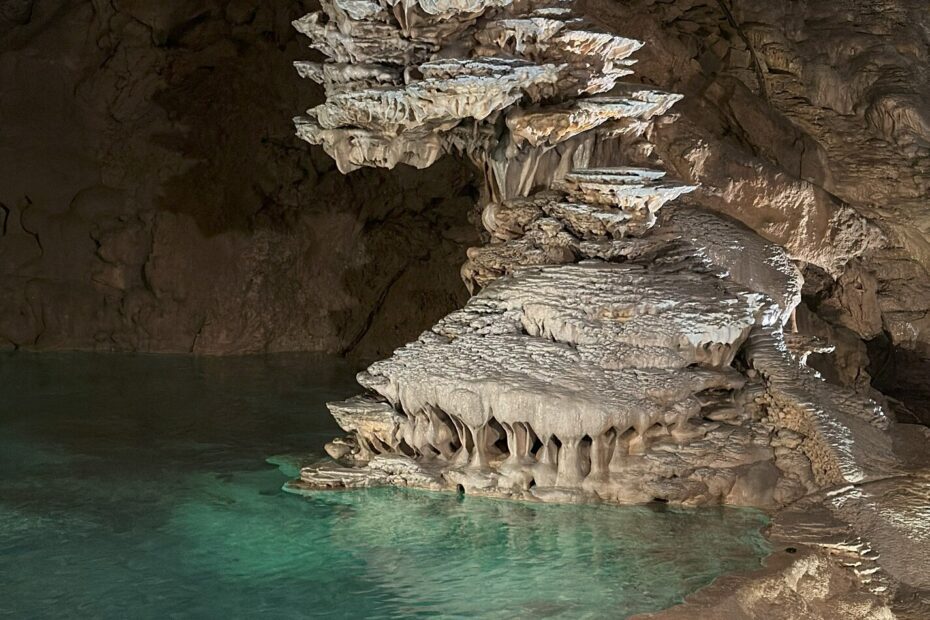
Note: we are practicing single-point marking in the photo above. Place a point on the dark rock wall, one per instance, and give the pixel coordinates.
(153, 197)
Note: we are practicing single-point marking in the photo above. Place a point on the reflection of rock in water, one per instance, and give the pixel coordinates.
(191, 523)
(431, 553)
(533, 556)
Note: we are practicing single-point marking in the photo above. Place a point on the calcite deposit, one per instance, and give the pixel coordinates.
(622, 344)
(619, 345)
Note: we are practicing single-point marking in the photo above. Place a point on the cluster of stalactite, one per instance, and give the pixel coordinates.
(523, 458)
(600, 354)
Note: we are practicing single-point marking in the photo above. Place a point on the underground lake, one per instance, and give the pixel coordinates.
(151, 487)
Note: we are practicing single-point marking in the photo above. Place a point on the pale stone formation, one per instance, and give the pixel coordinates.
(621, 344)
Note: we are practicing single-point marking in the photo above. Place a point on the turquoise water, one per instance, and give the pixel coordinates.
(138, 487)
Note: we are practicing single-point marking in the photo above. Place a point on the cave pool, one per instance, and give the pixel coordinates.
(136, 486)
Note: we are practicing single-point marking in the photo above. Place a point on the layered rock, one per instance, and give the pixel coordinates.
(618, 346)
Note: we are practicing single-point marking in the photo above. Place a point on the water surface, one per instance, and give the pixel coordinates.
(138, 487)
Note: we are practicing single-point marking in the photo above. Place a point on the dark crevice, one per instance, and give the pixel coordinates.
(757, 65)
(584, 454)
(373, 313)
(469, 439)
(902, 375)
(536, 446)
(5, 215)
(31, 233)
(198, 334)
(627, 435)
(405, 449)
(501, 444)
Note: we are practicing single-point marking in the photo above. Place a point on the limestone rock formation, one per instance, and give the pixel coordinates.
(622, 344)
(600, 357)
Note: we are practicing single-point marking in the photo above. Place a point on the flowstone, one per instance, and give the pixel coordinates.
(621, 344)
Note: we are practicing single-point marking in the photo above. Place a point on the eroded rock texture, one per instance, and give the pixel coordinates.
(808, 122)
(627, 339)
(153, 197)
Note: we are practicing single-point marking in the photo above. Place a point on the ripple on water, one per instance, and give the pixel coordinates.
(122, 498)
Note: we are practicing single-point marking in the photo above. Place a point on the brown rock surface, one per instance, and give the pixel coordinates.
(810, 122)
(153, 198)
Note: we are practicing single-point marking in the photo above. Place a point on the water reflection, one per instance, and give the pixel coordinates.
(136, 486)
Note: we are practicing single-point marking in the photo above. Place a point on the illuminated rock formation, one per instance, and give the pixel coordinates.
(619, 346)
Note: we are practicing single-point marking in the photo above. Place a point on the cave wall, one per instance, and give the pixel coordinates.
(153, 197)
(810, 122)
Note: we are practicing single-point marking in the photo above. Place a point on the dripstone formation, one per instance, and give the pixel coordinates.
(620, 345)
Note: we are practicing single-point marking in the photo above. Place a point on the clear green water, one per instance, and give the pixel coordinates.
(138, 487)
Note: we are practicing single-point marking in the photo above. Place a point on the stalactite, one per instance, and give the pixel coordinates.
(596, 357)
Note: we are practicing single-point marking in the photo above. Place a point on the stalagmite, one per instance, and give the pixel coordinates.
(621, 345)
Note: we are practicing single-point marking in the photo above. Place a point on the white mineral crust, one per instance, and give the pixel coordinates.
(620, 345)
